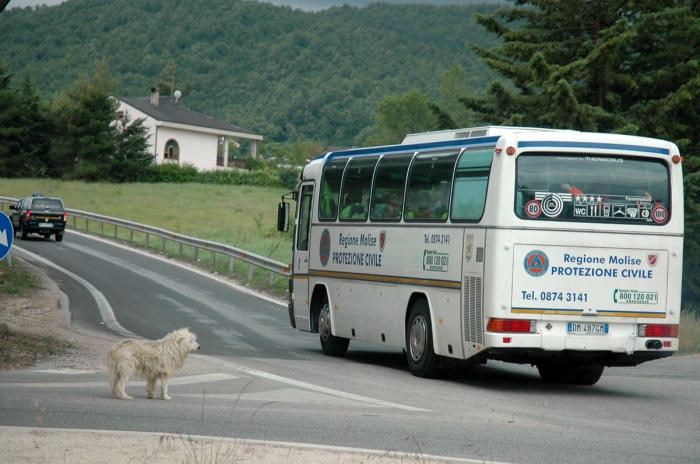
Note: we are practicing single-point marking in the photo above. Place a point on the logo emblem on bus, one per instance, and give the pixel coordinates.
(652, 259)
(536, 263)
(382, 239)
(469, 247)
(325, 247)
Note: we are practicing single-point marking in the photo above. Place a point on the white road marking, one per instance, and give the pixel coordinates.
(102, 303)
(309, 386)
(189, 380)
(290, 395)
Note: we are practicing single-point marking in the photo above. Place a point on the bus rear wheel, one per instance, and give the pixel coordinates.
(422, 360)
(331, 345)
(589, 375)
(556, 374)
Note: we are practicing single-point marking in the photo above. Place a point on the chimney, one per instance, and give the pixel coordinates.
(155, 96)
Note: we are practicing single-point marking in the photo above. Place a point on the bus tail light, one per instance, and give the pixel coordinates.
(512, 325)
(657, 330)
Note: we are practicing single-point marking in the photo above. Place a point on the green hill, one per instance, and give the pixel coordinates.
(287, 74)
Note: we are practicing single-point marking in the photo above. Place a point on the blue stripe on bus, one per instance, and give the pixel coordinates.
(599, 146)
(384, 150)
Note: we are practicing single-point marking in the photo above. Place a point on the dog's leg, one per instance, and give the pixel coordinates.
(164, 387)
(151, 386)
(121, 386)
(113, 381)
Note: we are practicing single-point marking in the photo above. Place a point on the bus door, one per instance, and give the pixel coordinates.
(300, 271)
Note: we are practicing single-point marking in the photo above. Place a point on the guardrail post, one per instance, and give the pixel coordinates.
(102, 229)
(250, 271)
(213, 259)
(74, 223)
(162, 244)
(147, 237)
(131, 235)
(272, 278)
(230, 264)
(87, 222)
(196, 254)
(179, 250)
(115, 231)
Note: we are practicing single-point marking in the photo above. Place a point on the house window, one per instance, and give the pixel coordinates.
(172, 151)
(120, 115)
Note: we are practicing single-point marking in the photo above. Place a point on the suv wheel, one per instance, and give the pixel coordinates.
(23, 231)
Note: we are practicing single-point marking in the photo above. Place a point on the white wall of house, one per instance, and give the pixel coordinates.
(197, 149)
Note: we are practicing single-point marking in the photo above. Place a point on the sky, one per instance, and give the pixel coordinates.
(308, 5)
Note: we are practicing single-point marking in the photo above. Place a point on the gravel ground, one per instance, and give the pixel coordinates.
(45, 311)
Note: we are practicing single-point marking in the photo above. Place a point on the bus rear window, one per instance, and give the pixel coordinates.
(592, 188)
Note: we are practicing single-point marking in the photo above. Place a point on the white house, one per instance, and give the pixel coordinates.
(180, 135)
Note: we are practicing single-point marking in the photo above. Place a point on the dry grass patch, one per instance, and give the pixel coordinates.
(689, 333)
(20, 350)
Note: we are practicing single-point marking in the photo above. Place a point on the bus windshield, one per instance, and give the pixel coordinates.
(591, 188)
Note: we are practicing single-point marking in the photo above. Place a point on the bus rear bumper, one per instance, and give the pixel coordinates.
(593, 349)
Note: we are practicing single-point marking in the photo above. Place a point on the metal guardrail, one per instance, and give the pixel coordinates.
(253, 260)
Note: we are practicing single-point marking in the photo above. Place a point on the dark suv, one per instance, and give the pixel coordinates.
(40, 215)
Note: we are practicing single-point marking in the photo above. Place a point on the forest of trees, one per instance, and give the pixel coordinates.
(348, 76)
(287, 74)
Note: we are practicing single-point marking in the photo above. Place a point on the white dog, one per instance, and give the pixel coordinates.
(151, 360)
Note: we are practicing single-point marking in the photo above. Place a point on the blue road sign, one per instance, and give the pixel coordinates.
(7, 234)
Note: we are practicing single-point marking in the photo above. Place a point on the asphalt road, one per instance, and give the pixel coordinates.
(268, 381)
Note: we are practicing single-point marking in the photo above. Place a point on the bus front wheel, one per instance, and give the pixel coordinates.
(422, 360)
(331, 345)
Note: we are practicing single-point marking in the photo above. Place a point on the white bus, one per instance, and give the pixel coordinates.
(559, 249)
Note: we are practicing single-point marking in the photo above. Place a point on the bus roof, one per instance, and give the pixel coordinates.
(486, 136)
(470, 132)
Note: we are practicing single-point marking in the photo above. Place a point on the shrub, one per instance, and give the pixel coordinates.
(174, 173)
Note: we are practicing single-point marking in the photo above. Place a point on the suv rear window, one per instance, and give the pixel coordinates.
(592, 188)
(47, 204)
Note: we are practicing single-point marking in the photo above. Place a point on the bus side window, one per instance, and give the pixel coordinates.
(304, 218)
(330, 189)
(471, 182)
(357, 183)
(429, 186)
(389, 186)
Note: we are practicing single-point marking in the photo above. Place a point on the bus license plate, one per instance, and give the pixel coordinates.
(587, 329)
(46, 224)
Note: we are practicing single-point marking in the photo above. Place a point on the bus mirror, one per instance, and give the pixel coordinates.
(283, 216)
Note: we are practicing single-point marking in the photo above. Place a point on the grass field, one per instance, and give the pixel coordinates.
(242, 216)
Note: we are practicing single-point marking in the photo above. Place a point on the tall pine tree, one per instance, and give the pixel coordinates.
(626, 67)
(86, 146)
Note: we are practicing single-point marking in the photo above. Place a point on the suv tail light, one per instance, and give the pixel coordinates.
(65, 217)
(657, 330)
(28, 216)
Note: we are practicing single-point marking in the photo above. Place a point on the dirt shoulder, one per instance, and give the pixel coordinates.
(44, 312)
